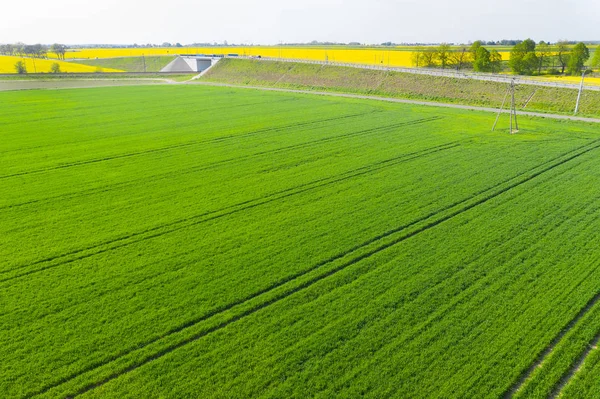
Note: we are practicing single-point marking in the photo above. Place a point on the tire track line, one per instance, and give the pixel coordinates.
(542, 357)
(229, 160)
(421, 225)
(566, 379)
(109, 113)
(374, 130)
(177, 146)
(212, 215)
(191, 169)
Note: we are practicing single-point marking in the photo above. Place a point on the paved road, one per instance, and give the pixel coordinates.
(399, 100)
(444, 73)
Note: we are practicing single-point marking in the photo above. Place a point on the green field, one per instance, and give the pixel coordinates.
(130, 64)
(401, 85)
(202, 242)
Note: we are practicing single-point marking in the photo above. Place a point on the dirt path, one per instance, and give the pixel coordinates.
(400, 100)
(10, 85)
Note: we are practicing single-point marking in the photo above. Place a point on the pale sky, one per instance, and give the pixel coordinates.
(273, 21)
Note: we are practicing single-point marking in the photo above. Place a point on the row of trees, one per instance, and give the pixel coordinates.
(444, 56)
(33, 50)
(21, 68)
(528, 58)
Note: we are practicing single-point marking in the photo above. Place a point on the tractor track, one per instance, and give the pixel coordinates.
(175, 146)
(420, 225)
(223, 162)
(180, 224)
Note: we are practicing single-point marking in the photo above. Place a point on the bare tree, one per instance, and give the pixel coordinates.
(6, 49)
(442, 54)
(417, 57)
(459, 57)
(429, 57)
(59, 50)
(563, 53)
(543, 52)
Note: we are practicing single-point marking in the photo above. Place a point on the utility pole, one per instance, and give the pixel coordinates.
(580, 90)
(144, 62)
(512, 110)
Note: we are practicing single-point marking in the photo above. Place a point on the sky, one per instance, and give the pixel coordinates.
(276, 21)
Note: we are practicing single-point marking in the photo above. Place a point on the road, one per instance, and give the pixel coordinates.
(400, 100)
(10, 85)
(72, 84)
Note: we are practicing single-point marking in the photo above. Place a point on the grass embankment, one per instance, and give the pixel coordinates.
(186, 241)
(401, 85)
(130, 64)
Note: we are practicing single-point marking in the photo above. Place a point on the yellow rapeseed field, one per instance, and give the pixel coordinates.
(394, 56)
(7, 65)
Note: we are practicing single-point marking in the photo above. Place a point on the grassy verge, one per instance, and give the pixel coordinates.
(401, 85)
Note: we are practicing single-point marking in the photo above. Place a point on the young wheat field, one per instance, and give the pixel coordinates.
(197, 242)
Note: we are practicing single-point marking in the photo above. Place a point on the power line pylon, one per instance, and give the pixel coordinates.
(513, 108)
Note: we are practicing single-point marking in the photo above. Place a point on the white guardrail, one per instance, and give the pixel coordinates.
(433, 72)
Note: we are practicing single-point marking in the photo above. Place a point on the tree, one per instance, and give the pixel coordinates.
(495, 61)
(563, 54)
(18, 49)
(20, 67)
(523, 59)
(424, 57)
(473, 49)
(481, 62)
(543, 53)
(429, 56)
(59, 50)
(459, 57)
(442, 54)
(6, 49)
(579, 55)
(596, 60)
(55, 68)
(417, 57)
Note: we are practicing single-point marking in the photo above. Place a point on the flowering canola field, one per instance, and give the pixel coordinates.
(7, 65)
(394, 56)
